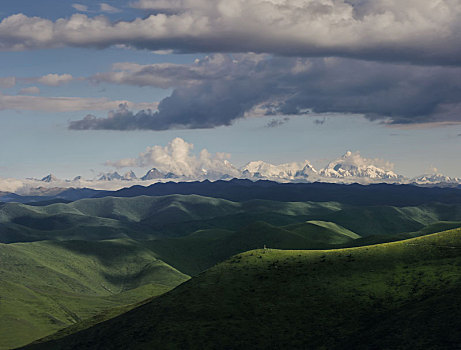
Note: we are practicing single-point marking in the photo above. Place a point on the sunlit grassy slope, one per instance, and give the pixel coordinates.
(204, 248)
(45, 286)
(400, 295)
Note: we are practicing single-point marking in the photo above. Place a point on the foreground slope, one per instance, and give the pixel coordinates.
(404, 295)
(45, 286)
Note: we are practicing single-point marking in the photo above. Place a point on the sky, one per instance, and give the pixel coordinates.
(86, 85)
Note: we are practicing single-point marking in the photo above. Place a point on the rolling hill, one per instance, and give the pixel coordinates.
(240, 190)
(402, 295)
(48, 285)
(95, 258)
(180, 215)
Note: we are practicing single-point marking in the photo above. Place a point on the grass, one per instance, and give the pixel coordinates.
(93, 259)
(399, 295)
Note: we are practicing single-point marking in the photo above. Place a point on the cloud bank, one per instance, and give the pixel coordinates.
(221, 88)
(387, 30)
(177, 158)
(61, 104)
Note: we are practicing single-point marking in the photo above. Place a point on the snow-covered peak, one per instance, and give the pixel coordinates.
(261, 169)
(110, 176)
(130, 175)
(435, 179)
(49, 178)
(352, 164)
(152, 174)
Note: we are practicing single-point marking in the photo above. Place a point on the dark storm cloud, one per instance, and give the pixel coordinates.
(219, 89)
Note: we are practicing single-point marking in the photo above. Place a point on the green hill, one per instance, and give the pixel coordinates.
(203, 249)
(48, 285)
(403, 295)
(180, 215)
(45, 286)
(95, 258)
(143, 217)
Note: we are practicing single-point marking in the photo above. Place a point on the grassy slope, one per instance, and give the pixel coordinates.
(205, 248)
(45, 286)
(426, 230)
(400, 295)
(49, 285)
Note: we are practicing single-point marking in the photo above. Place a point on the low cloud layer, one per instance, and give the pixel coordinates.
(31, 90)
(178, 158)
(60, 104)
(7, 82)
(54, 79)
(385, 30)
(221, 88)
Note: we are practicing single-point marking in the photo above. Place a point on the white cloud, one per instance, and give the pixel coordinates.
(177, 157)
(10, 185)
(54, 79)
(61, 104)
(356, 159)
(352, 164)
(108, 8)
(419, 31)
(80, 7)
(7, 82)
(31, 90)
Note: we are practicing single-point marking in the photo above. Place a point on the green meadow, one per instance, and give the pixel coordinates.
(68, 267)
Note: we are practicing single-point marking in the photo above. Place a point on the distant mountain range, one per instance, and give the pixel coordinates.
(350, 168)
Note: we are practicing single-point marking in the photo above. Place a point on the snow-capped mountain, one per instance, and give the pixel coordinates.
(114, 176)
(110, 176)
(153, 174)
(350, 168)
(288, 171)
(130, 175)
(308, 171)
(49, 178)
(218, 170)
(436, 179)
(352, 165)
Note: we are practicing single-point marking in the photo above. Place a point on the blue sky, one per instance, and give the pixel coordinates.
(220, 81)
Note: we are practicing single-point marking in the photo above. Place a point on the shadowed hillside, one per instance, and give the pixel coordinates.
(179, 215)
